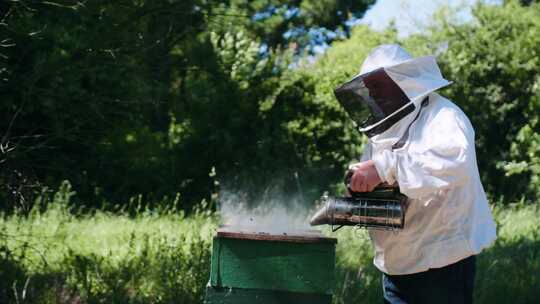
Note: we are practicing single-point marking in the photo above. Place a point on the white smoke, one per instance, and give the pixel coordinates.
(275, 215)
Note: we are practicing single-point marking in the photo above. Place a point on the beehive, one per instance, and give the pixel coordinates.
(271, 268)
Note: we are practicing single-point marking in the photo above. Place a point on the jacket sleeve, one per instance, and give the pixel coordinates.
(444, 158)
(366, 154)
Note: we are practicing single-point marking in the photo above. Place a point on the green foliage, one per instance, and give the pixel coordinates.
(129, 97)
(80, 80)
(280, 23)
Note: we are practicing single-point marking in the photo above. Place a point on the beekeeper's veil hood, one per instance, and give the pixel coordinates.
(390, 87)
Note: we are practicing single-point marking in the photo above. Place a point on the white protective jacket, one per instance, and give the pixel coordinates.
(448, 217)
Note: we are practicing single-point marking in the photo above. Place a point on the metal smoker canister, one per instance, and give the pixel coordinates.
(384, 209)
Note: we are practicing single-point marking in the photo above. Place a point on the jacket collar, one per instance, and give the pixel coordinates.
(395, 133)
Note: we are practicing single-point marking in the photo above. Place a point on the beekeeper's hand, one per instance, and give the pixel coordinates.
(365, 177)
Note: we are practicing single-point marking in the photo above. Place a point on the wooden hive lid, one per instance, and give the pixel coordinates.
(301, 236)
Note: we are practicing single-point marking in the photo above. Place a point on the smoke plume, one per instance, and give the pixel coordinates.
(273, 215)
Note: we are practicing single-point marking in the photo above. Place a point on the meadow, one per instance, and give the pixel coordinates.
(58, 254)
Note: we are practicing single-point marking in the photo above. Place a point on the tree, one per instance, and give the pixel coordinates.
(147, 97)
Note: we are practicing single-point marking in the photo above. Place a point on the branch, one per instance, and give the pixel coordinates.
(8, 131)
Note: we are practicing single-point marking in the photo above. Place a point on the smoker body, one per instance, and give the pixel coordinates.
(264, 268)
(383, 208)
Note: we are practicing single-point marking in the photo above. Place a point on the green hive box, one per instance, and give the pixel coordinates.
(267, 268)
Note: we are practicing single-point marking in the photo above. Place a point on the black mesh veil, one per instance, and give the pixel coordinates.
(371, 97)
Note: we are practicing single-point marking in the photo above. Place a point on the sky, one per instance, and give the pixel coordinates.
(412, 15)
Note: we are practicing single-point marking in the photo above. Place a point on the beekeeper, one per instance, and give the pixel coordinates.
(423, 143)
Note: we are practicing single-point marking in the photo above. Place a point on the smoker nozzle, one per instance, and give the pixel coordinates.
(321, 217)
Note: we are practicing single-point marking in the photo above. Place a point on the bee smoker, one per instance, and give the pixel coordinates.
(382, 208)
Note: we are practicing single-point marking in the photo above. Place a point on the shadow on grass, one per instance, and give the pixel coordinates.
(509, 272)
(17, 285)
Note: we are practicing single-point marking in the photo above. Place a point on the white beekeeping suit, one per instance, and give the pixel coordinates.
(425, 144)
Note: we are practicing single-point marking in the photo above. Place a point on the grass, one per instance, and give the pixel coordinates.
(58, 255)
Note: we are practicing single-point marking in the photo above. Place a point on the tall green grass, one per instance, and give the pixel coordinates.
(55, 254)
(62, 256)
